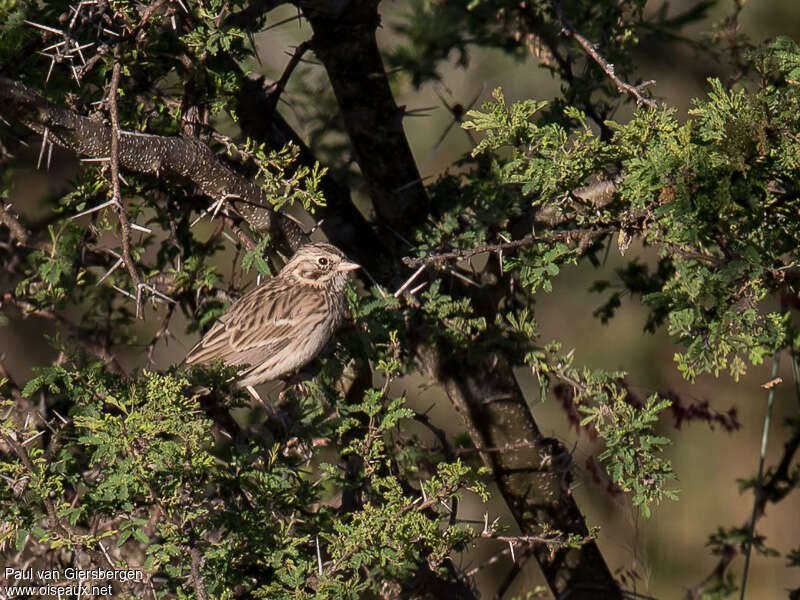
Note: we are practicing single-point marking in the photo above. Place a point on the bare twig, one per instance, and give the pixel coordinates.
(122, 207)
(162, 331)
(758, 489)
(280, 85)
(608, 68)
(584, 235)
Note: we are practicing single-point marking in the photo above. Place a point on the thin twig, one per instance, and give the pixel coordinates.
(608, 68)
(122, 208)
(529, 240)
(280, 85)
(757, 490)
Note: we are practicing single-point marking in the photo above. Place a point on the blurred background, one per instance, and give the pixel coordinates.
(661, 556)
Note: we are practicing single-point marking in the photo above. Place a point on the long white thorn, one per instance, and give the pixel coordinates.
(409, 281)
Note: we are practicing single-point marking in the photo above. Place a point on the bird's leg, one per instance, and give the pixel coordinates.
(297, 382)
(255, 395)
(271, 411)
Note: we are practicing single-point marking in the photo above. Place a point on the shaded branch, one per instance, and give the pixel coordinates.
(345, 42)
(197, 579)
(280, 85)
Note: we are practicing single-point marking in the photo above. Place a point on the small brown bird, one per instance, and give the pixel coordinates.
(285, 323)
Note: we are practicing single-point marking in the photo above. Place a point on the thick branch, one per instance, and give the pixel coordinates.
(345, 43)
(180, 157)
(10, 220)
(535, 491)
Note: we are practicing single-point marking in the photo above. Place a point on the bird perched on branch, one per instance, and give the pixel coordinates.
(282, 325)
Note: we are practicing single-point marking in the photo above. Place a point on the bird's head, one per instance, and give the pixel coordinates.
(319, 265)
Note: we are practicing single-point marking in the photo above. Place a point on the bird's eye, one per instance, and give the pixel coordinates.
(322, 261)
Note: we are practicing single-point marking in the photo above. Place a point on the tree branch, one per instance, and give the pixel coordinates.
(608, 68)
(10, 220)
(345, 42)
(117, 198)
(161, 156)
(584, 235)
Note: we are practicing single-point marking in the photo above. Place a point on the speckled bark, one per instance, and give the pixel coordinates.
(161, 156)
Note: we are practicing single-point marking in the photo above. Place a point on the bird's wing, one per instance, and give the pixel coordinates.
(261, 323)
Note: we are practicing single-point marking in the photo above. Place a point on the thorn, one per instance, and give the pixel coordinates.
(110, 271)
(455, 273)
(136, 227)
(50, 68)
(156, 292)
(409, 281)
(113, 201)
(54, 46)
(316, 226)
(45, 27)
(78, 47)
(124, 292)
(44, 145)
(30, 439)
(56, 413)
(418, 288)
(319, 558)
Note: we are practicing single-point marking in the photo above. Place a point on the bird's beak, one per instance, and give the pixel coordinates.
(345, 266)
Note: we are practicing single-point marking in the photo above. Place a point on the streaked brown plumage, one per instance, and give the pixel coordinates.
(285, 323)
